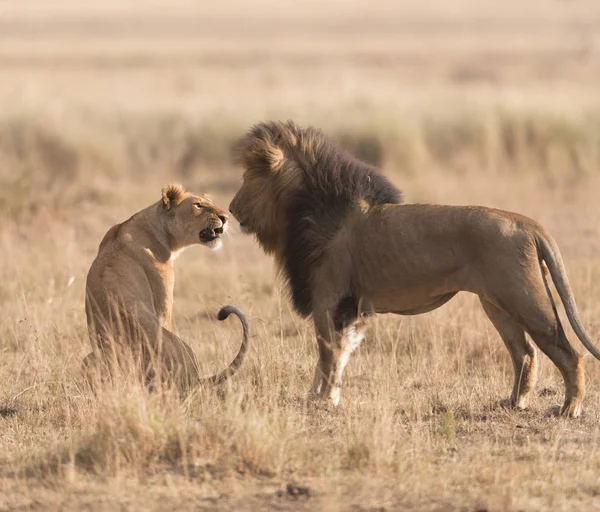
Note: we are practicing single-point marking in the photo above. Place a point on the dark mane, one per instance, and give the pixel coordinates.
(333, 182)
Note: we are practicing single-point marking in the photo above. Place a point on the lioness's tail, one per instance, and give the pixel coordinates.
(224, 312)
(550, 254)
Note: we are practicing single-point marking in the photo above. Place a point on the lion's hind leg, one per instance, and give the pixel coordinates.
(552, 340)
(531, 306)
(522, 353)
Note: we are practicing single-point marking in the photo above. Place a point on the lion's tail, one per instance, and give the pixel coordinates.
(218, 378)
(550, 254)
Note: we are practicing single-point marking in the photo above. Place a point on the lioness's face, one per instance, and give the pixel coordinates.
(196, 220)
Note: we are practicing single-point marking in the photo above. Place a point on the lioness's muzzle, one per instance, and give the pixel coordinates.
(211, 233)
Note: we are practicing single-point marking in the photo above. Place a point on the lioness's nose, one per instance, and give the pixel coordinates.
(223, 218)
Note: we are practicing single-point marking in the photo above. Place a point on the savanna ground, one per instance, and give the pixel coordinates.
(458, 102)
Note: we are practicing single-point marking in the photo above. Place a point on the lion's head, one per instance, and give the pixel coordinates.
(192, 219)
(298, 188)
(256, 211)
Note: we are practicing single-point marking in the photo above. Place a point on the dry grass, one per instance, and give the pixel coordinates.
(478, 108)
(420, 424)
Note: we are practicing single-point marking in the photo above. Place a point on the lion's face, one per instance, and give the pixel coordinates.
(193, 219)
(255, 208)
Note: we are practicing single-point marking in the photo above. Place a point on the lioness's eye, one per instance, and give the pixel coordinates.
(198, 205)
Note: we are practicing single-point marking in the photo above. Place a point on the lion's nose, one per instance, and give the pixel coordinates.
(232, 207)
(223, 218)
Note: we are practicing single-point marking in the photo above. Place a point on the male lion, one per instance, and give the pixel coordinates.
(129, 292)
(348, 249)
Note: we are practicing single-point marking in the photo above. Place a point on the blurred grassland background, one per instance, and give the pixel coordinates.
(102, 104)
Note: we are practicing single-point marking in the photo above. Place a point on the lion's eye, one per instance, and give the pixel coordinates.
(198, 205)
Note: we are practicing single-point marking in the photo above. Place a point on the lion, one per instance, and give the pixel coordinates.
(349, 248)
(129, 290)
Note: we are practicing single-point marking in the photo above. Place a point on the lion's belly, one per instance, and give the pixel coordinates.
(404, 303)
(410, 306)
(407, 293)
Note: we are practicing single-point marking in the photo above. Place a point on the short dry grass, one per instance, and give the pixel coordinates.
(90, 132)
(420, 425)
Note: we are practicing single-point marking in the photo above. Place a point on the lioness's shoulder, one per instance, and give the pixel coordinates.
(111, 236)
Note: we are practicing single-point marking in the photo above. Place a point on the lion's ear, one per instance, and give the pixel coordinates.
(172, 196)
(259, 151)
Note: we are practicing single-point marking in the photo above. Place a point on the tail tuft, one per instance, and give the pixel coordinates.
(224, 313)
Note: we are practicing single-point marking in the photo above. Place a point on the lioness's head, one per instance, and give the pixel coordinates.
(192, 219)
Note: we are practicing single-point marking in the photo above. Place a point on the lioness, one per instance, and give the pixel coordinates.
(348, 249)
(129, 291)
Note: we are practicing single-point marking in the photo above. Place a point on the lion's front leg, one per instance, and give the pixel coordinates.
(349, 339)
(323, 367)
(336, 344)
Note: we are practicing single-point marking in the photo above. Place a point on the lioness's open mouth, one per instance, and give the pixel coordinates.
(208, 235)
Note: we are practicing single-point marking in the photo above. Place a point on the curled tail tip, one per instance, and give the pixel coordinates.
(225, 311)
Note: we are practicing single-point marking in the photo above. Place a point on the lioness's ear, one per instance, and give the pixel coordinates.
(172, 196)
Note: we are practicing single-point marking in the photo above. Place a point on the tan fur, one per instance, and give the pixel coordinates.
(129, 292)
(410, 259)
